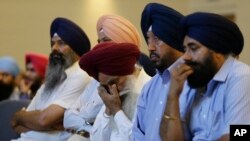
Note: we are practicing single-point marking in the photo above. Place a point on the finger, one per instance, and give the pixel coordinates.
(183, 68)
(185, 74)
(102, 92)
(113, 89)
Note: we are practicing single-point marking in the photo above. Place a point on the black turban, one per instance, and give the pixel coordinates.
(214, 31)
(71, 34)
(110, 58)
(165, 24)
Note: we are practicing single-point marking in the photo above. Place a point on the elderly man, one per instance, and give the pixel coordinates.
(8, 72)
(159, 25)
(64, 82)
(222, 82)
(33, 78)
(89, 104)
(112, 64)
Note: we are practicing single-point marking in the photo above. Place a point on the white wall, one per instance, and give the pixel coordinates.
(24, 24)
(241, 10)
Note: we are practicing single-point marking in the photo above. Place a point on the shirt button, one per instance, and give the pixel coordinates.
(204, 116)
(156, 119)
(161, 102)
(165, 85)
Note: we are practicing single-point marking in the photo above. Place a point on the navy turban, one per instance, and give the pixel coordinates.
(165, 24)
(214, 31)
(110, 58)
(71, 34)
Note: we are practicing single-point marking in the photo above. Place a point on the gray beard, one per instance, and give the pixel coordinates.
(55, 73)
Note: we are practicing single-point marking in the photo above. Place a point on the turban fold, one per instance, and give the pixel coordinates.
(71, 34)
(165, 24)
(9, 65)
(214, 31)
(39, 62)
(118, 29)
(110, 58)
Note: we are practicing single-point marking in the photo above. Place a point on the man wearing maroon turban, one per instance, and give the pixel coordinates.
(109, 28)
(36, 65)
(113, 66)
(64, 82)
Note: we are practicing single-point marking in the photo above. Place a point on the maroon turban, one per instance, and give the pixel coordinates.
(110, 58)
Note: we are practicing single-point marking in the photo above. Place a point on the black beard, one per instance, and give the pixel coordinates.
(55, 70)
(58, 63)
(5, 90)
(161, 65)
(203, 73)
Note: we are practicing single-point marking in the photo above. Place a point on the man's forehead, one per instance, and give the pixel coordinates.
(106, 79)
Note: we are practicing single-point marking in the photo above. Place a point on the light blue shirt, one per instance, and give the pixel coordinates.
(151, 106)
(226, 102)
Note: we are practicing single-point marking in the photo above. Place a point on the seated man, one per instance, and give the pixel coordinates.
(64, 82)
(222, 97)
(33, 78)
(89, 104)
(8, 73)
(112, 64)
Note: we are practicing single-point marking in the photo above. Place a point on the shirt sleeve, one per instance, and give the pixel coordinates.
(102, 129)
(124, 125)
(72, 120)
(237, 105)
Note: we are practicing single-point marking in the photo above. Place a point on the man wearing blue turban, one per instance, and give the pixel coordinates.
(222, 82)
(160, 27)
(8, 72)
(64, 82)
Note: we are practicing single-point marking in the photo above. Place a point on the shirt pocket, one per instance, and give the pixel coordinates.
(215, 120)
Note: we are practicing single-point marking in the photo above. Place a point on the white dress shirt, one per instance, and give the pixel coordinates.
(64, 95)
(118, 127)
(85, 109)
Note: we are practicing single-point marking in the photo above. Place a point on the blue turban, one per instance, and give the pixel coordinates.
(165, 24)
(214, 31)
(9, 65)
(71, 34)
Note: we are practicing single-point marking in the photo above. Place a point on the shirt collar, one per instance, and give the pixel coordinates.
(222, 74)
(72, 68)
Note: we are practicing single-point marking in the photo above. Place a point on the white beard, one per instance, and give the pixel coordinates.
(128, 99)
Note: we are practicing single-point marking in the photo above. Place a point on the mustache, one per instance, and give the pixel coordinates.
(56, 57)
(194, 65)
(152, 53)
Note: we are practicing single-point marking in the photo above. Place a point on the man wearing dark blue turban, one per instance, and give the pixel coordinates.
(222, 98)
(64, 82)
(160, 27)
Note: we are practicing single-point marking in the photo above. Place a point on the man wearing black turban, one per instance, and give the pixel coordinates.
(222, 98)
(64, 82)
(160, 27)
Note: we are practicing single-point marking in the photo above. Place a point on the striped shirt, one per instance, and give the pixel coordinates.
(226, 102)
